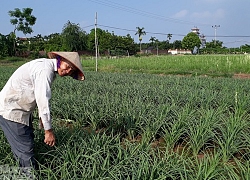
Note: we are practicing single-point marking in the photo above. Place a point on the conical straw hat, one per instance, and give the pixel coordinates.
(74, 59)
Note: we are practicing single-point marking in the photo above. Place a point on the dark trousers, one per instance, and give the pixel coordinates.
(21, 140)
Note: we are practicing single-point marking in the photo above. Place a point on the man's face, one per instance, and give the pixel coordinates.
(66, 68)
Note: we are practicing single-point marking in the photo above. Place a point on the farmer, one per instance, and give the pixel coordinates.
(28, 87)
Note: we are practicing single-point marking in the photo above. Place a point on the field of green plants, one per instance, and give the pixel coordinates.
(210, 65)
(127, 121)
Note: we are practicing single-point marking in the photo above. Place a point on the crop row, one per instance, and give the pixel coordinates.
(151, 127)
(153, 106)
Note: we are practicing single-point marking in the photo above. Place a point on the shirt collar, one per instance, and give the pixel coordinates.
(55, 64)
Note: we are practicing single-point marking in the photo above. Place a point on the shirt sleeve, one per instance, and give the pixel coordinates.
(42, 89)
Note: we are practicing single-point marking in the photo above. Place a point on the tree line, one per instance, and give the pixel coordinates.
(74, 38)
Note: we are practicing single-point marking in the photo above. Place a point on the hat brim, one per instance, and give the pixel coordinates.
(78, 75)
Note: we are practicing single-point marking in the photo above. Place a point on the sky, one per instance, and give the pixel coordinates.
(224, 20)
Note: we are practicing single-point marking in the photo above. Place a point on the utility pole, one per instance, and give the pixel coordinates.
(96, 45)
(215, 28)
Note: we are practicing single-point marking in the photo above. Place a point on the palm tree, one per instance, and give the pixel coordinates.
(169, 36)
(140, 32)
(152, 39)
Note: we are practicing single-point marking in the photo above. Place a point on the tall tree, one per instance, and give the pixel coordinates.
(54, 42)
(91, 39)
(190, 41)
(3, 46)
(177, 44)
(125, 44)
(6, 44)
(140, 32)
(22, 20)
(152, 39)
(212, 44)
(37, 43)
(110, 42)
(74, 37)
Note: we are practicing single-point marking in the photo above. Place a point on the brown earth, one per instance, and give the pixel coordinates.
(241, 76)
(237, 76)
(159, 143)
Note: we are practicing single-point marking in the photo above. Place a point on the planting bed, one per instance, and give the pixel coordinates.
(141, 126)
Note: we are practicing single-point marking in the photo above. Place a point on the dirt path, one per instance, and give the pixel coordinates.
(241, 76)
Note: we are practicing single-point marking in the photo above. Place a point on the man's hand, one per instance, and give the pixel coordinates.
(49, 138)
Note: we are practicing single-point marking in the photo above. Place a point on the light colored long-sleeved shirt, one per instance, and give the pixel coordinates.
(29, 87)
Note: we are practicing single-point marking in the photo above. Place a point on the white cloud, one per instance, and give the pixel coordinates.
(180, 14)
(218, 14)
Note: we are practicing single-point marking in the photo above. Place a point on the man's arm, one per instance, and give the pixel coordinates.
(49, 137)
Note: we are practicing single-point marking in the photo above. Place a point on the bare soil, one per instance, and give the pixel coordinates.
(241, 76)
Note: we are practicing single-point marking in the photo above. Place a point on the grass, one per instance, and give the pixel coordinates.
(12, 61)
(210, 65)
(194, 65)
(126, 125)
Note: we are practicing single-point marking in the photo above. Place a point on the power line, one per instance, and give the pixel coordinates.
(147, 32)
(235, 36)
(235, 42)
(159, 33)
(144, 13)
(88, 26)
(118, 6)
(116, 28)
